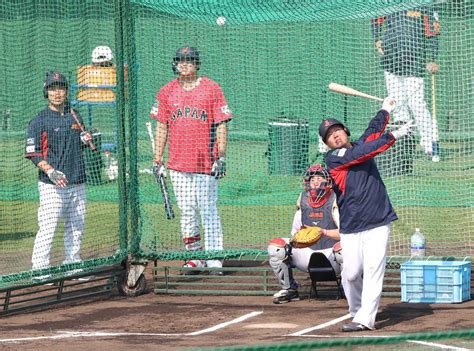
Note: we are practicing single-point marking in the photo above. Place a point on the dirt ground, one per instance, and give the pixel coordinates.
(183, 322)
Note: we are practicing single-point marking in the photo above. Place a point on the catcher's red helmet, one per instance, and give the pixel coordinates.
(320, 193)
(315, 170)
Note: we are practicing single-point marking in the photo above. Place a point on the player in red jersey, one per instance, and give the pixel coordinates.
(191, 113)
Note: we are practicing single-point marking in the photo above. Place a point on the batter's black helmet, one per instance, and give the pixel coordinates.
(186, 53)
(53, 78)
(328, 123)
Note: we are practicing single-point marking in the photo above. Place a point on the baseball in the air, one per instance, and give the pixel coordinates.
(220, 20)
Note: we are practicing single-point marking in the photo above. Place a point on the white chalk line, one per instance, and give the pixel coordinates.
(441, 346)
(321, 326)
(78, 334)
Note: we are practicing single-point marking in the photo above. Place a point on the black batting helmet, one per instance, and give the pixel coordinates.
(53, 79)
(328, 123)
(186, 53)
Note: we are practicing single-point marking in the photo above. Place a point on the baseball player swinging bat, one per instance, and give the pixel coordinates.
(73, 113)
(160, 178)
(343, 89)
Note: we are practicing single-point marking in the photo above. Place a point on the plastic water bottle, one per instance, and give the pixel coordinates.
(417, 244)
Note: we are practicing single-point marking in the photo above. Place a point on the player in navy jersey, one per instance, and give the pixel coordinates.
(55, 145)
(364, 208)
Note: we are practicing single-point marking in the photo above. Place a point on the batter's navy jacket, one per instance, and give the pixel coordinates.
(56, 139)
(361, 194)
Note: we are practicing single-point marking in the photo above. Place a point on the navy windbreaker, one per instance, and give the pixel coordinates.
(361, 194)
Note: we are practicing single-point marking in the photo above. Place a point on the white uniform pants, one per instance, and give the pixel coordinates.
(195, 191)
(364, 256)
(409, 92)
(56, 203)
(300, 257)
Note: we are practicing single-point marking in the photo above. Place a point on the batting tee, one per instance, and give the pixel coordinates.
(274, 61)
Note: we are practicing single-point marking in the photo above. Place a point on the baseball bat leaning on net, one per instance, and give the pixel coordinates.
(160, 178)
(73, 113)
(343, 89)
(433, 107)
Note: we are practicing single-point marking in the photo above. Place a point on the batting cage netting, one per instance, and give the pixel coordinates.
(251, 119)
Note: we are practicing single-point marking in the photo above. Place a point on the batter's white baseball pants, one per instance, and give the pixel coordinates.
(409, 92)
(198, 191)
(56, 203)
(364, 256)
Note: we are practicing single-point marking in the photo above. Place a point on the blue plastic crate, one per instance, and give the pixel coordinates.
(436, 281)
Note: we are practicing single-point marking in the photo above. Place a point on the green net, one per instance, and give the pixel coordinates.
(37, 37)
(273, 61)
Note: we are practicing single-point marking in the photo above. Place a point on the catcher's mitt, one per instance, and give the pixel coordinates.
(306, 237)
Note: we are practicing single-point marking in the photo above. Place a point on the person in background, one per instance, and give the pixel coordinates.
(407, 42)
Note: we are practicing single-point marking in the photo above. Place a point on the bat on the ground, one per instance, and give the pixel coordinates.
(160, 178)
(343, 89)
(73, 113)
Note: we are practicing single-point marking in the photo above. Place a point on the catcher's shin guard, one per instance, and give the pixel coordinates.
(279, 252)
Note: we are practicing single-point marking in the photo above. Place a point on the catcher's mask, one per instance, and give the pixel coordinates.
(186, 53)
(317, 195)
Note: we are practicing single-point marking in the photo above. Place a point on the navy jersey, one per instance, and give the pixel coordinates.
(55, 138)
(361, 194)
(409, 40)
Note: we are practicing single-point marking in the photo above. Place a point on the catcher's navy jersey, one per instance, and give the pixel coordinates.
(56, 139)
(361, 194)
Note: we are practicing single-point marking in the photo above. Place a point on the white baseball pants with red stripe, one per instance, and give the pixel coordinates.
(198, 192)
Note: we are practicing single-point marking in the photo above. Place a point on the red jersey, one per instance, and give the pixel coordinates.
(192, 118)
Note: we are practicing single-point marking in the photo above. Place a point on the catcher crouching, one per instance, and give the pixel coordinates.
(314, 229)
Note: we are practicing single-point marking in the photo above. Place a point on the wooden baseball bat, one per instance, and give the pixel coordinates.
(433, 107)
(160, 178)
(152, 138)
(343, 89)
(73, 113)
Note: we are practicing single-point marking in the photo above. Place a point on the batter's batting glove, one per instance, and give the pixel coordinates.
(86, 138)
(403, 130)
(218, 168)
(389, 104)
(159, 169)
(57, 177)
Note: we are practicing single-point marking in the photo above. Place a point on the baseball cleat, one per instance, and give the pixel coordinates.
(353, 327)
(214, 264)
(194, 265)
(285, 296)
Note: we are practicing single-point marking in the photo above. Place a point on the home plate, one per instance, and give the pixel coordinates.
(272, 326)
